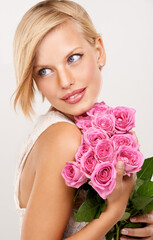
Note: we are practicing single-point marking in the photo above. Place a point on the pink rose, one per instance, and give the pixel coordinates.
(99, 108)
(84, 125)
(104, 150)
(83, 116)
(103, 179)
(83, 148)
(105, 122)
(72, 175)
(124, 140)
(83, 122)
(88, 163)
(124, 119)
(132, 158)
(93, 135)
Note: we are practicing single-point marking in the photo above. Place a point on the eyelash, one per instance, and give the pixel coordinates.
(76, 54)
(42, 75)
(40, 71)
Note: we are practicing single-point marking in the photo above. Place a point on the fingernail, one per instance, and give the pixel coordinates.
(122, 238)
(120, 164)
(133, 219)
(124, 231)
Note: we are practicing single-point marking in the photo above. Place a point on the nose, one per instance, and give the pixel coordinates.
(65, 78)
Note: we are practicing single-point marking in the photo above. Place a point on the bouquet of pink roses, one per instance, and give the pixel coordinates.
(107, 138)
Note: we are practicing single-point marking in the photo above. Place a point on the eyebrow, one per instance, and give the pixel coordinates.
(69, 54)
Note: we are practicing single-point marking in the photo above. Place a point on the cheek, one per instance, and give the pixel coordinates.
(88, 69)
(95, 74)
(90, 72)
(94, 78)
(46, 88)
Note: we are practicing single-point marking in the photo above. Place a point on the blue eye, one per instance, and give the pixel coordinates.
(44, 72)
(74, 58)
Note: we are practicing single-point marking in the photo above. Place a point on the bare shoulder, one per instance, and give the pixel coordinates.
(50, 198)
(62, 131)
(59, 139)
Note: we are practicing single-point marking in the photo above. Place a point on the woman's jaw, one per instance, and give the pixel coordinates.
(68, 74)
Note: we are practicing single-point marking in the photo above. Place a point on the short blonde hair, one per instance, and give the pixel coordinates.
(35, 24)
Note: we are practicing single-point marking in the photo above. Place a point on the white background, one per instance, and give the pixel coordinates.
(127, 31)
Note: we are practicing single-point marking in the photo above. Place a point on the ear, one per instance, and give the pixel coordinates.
(101, 55)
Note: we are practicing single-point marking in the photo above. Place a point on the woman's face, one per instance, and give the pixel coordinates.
(66, 69)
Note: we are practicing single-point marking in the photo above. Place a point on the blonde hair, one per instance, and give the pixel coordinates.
(35, 24)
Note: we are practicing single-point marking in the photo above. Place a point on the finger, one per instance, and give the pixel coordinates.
(120, 171)
(136, 139)
(138, 232)
(130, 238)
(145, 218)
(131, 179)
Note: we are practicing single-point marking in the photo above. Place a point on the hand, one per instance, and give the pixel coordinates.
(123, 188)
(145, 233)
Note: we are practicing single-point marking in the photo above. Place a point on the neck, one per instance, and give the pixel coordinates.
(71, 117)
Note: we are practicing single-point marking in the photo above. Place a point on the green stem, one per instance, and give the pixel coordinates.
(117, 232)
(77, 193)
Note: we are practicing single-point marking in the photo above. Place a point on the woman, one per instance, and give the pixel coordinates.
(57, 48)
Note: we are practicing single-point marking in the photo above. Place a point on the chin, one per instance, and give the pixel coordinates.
(82, 109)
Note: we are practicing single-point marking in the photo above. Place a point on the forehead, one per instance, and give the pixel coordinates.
(62, 39)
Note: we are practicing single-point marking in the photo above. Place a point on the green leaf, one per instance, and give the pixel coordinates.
(125, 216)
(146, 189)
(86, 186)
(103, 206)
(90, 207)
(109, 235)
(122, 223)
(141, 202)
(86, 212)
(139, 182)
(92, 196)
(101, 209)
(77, 193)
(148, 208)
(131, 208)
(99, 199)
(98, 213)
(134, 225)
(134, 212)
(112, 229)
(146, 171)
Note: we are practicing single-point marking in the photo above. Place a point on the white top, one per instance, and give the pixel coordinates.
(43, 122)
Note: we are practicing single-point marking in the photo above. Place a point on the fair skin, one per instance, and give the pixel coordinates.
(145, 233)
(65, 65)
(48, 201)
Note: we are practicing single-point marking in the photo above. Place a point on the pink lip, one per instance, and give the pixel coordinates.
(77, 98)
(73, 93)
